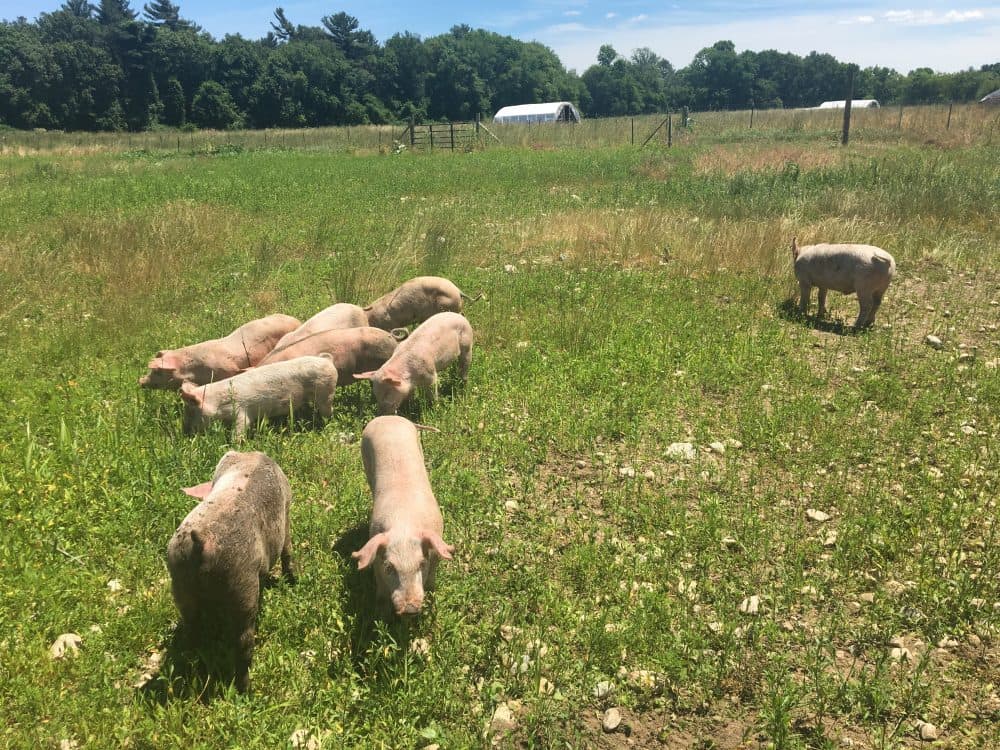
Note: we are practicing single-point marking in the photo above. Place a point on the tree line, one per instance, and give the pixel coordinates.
(107, 66)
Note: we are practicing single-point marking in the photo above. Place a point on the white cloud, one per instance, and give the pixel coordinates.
(566, 28)
(859, 19)
(571, 13)
(638, 19)
(610, 15)
(932, 18)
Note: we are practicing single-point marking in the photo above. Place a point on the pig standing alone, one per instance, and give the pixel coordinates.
(435, 344)
(335, 317)
(864, 270)
(225, 546)
(265, 391)
(219, 358)
(414, 302)
(406, 527)
(352, 349)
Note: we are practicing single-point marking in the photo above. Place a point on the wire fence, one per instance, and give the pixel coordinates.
(945, 125)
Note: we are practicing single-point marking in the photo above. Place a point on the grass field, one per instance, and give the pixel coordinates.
(633, 299)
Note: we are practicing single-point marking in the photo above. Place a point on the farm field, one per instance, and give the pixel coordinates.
(633, 299)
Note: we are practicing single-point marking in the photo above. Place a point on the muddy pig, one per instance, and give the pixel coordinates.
(335, 317)
(864, 270)
(406, 527)
(353, 350)
(435, 344)
(265, 391)
(218, 359)
(414, 302)
(225, 546)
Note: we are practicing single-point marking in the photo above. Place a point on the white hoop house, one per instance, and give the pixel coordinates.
(530, 113)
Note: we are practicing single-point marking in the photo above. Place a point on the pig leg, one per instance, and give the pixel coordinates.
(805, 289)
(324, 403)
(876, 303)
(821, 313)
(242, 423)
(865, 313)
(286, 557)
(464, 360)
(244, 655)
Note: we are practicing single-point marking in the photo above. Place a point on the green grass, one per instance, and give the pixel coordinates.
(645, 308)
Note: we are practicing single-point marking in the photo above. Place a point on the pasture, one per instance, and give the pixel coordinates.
(633, 299)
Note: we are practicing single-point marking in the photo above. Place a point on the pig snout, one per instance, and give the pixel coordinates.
(408, 604)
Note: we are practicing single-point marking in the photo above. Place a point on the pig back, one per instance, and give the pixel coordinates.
(414, 302)
(253, 341)
(353, 350)
(394, 466)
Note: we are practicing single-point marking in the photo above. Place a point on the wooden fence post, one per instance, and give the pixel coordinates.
(670, 129)
(948, 125)
(413, 137)
(751, 114)
(846, 136)
(633, 131)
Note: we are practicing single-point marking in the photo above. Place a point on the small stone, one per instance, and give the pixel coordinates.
(897, 653)
(545, 686)
(974, 640)
(928, 731)
(507, 632)
(894, 588)
(967, 357)
(503, 719)
(968, 429)
(68, 744)
(732, 443)
(715, 627)
(682, 451)
(830, 540)
(627, 472)
(718, 447)
(603, 689)
(581, 464)
(933, 341)
(846, 742)
(420, 646)
(808, 591)
(868, 597)
(612, 718)
(305, 739)
(750, 605)
(817, 515)
(114, 585)
(511, 505)
(649, 474)
(947, 643)
(509, 268)
(68, 644)
(522, 344)
(729, 542)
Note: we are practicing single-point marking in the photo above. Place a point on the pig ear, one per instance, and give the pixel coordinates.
(435, 541)
(199, 491)
(392, 380)
(366, 554)
(191, 392)
(165, 361)
(364, 375)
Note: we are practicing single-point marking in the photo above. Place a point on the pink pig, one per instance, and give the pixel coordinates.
(334, 317)
(415, 301)
(406, 527)
(353, 350)
(219, 358)
(433, 346)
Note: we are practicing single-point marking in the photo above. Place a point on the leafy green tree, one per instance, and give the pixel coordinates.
(78, 8)
(606, 55)
(162, 13)
(111, 12)
(213, 107)
(174, 105)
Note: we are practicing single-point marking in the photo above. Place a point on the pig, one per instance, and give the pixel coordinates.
(217, 359)
(414, 302)
(265, 391)
(406, 529)
(353, 350)
(435, 344)
(225, 546)
(339, 316)
(864, 270)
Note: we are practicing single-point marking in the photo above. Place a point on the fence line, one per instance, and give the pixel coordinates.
(947, 124)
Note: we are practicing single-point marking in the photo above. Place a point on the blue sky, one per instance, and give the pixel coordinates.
(902, 35)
